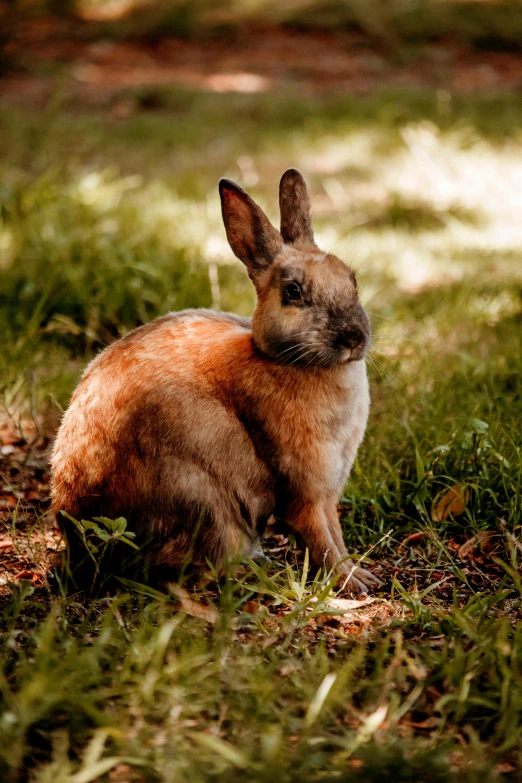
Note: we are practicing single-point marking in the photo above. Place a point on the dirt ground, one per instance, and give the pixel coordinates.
(47, 55)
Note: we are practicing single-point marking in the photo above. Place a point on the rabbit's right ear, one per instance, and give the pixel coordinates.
(294, 203)
(250, 234)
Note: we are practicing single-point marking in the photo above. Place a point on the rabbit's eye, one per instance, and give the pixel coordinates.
(293, 292)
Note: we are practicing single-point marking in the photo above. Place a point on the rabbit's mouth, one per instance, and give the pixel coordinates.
(348, 355)
(351, 345)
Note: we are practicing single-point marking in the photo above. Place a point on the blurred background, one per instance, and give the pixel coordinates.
(117, 119)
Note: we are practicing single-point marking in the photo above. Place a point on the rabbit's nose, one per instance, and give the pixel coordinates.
(351, 338)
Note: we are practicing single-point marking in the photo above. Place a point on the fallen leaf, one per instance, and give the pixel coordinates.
(450, 502)
(482, 541)
(32, 495)
(194, 608)
(8, 500)
(504, 768)
(25, 574)
(121, 773)
(414, 538)
(429, 723)
(348, 604)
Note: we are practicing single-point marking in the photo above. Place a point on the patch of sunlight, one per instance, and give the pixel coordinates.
(7, 247)
(467, 187)
(195, 224)
(392, 338)
(236, 82)
(162, 211)
(460, 169)
(105, 10)
(180, 220)
(103, 190)
(217, 248)
(329, 154)
(155, 209)
(424, 211)
(494, 308)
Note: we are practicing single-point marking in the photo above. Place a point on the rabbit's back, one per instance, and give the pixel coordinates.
(148, 437)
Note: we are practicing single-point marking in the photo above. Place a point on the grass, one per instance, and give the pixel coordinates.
(154, 692)
(107, 223)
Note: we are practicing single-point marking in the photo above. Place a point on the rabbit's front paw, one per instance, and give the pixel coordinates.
(259, 556)
(356, 580)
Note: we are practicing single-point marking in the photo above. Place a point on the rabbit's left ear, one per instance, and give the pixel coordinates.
(294, 204)
(250, 234)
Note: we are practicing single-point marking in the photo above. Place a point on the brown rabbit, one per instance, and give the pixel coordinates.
(200, 425)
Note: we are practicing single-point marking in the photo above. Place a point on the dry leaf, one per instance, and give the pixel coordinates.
(194, 608)
(450, 502)
(121, 773)
(482, 541)
(504, 768)
(429, 723)
(25, 574)
(32, 495)
(348, 604)
(414, 538)
(8, 500)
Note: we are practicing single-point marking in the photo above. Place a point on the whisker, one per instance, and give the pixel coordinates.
(383, 317)
(312, 350)
(302, 356)
(398, 340)
(387, 369)
(297, 345)
(294, 348)
(293, 336)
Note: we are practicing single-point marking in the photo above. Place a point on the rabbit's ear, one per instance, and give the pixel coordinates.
(250, 234)
(294, 204)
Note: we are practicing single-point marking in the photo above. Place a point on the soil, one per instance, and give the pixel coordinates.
(47, 55)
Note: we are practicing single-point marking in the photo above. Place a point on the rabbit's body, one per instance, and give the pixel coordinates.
(135, 426)
(194, 432)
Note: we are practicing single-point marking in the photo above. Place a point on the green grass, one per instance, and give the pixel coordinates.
(140, 684)
(107, 223)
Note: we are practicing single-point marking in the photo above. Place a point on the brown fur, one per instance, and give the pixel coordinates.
(209, 423)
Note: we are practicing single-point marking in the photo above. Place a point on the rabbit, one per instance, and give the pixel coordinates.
(199, 426)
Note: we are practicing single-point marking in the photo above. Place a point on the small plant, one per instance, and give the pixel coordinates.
(100, 535)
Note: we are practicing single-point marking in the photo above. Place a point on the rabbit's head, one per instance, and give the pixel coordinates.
(308, 311)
